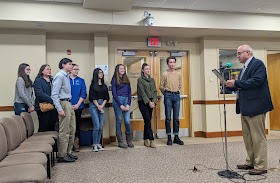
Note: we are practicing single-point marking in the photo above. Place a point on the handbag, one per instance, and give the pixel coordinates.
(45, 107)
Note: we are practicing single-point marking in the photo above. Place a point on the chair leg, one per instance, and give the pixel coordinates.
(49, 166)
(56, 148)
(52, 157)
(53, 163)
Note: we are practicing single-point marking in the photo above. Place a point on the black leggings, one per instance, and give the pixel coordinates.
(78, 114)
(146, 112)
(47, 120)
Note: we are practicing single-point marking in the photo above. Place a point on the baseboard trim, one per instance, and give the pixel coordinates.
(219, 134)
(183, 132)
(108, 140)
(113, 138)
(198, 134)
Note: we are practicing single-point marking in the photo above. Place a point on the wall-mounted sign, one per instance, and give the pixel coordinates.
(104, 68)
(154, 42)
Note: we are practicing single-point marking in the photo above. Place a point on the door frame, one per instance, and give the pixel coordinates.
(266, 64)
(118, 60)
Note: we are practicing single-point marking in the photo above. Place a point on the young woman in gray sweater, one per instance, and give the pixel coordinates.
(24, 99)
(147, 99)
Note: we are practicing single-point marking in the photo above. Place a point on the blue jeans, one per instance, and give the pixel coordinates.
(172, 101)
(97, 120)
(119, 113)
(20, 107)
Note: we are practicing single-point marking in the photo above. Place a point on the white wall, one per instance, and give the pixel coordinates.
(81, 46)
(18, 47)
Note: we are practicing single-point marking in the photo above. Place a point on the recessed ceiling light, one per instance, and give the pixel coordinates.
(259, 8)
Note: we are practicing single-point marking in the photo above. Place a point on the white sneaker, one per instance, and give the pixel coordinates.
(95, 149)
(100, 148)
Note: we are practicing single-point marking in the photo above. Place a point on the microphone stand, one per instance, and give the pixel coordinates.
(226, 173)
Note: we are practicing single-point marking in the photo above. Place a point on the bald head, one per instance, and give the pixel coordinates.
(246, 47)
(244, 52)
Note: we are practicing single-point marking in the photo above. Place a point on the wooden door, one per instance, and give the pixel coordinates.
(273, 67)
(157, 62)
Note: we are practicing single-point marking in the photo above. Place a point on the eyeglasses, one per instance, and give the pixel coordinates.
(28, 69)
(239, 53)
(76, 69)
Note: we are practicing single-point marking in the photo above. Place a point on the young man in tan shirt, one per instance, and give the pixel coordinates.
(170, 85)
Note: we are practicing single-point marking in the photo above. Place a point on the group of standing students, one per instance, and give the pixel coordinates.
(66, 91)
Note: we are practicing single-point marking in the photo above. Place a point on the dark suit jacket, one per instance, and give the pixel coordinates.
(254, 94)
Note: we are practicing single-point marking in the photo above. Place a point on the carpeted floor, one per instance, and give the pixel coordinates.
(162, 164)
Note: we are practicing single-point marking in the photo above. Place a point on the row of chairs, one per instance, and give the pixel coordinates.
(23, 154)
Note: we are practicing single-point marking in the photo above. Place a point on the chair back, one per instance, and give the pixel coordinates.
(28, 123)
(3, 143)
(12, 133)
(21, 127)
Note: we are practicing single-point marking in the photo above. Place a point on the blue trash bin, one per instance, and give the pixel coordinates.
(86, 138)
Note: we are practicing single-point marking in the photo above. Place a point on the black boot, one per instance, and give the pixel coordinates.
(177, 140)
(169, 140)
(129, 139)
(120, 140)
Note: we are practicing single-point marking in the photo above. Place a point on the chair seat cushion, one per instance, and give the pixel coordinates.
(26, 148)
(40, 140)
(53, 134)
(24, 158)
(23, 173)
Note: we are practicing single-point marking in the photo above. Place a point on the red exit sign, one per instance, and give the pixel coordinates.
(154, 42)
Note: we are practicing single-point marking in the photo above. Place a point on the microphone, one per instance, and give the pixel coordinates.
(228, 65)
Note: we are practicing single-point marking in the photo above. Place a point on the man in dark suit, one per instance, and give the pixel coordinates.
(253, 101)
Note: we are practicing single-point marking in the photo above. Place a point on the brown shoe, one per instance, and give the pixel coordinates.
(257, 172)
(245, 167)
(152, 143)
(146, 142)
(76, 145)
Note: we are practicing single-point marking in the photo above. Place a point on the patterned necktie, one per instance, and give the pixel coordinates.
(242, 73)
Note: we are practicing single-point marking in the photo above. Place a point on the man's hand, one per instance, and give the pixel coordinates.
(75, 107)
(61, 113)
(230, 83)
